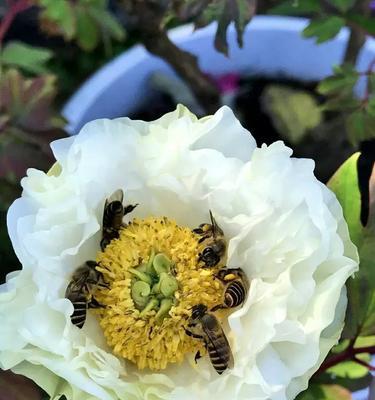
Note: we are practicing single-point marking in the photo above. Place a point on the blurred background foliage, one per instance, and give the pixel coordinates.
(49, 47)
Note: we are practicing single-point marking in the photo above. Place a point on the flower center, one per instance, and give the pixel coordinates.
(154, 280)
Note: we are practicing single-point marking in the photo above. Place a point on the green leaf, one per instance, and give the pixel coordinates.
(343, 5)
(29, 58)
(360, 126)
(361, 290)
(341, 103)
(343, 80)
(293, 112)
(351, 369)
(293, 7)
(87, 30)
(371, 107)
(61, 13)
(324, 29)
(350, 384)
(344, 183)
(364, 341)
(224, 12)
(367, 23)
(108, 23)
(325, 392)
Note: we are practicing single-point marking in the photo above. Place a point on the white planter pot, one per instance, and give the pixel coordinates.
(273, 46)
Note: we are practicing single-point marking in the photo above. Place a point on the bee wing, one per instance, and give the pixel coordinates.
(118, 195)
(215, 227)
(76, 284)
(212, 335)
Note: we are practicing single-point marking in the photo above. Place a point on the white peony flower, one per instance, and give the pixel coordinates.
(283, 228)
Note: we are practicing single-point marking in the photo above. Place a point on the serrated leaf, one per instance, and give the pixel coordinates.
(293, 7)
(338, 82)
(87, 30)
(29, 58)
(27, 102)
(343, 5)
(324, 29)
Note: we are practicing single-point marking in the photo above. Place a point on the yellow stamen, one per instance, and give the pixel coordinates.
(154, 336)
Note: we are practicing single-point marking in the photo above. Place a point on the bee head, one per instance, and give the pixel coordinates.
(116, 206)
(198, 311)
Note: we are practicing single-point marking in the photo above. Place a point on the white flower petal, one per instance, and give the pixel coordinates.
(285, 230)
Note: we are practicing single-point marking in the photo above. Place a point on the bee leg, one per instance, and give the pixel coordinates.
(95, 304)
(191, 334)
(198, 355)
(129, 208)
(198, 231)
(217, 307)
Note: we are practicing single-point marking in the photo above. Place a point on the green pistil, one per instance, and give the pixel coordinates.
(154, 286)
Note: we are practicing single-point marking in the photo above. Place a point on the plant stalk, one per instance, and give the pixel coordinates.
(148, 17)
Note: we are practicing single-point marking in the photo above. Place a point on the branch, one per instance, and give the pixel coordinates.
(364, 364)
(348, 355)
(357, 36)
(149, 17)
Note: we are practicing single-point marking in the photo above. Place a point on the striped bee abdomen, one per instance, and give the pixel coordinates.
(78, 317)
(219, 353)
(235, 294)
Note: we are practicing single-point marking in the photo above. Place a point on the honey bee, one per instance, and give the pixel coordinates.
(215, 243)
(79, 291)
(236, 287)
(114, 212)
(210, 331)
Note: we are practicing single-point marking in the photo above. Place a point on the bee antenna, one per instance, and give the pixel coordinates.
(213, 223)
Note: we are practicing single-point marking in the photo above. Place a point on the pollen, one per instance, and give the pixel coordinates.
(154, 280)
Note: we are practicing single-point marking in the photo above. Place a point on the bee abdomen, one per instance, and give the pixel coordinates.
(234, 294)
(219, 356)
(78, 317)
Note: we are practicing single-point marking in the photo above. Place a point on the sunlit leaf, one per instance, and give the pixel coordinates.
(29, 58)
(364, 341)
(324, 29)
(351, 369)
(325, 392)
(352, 385)
(361, 290)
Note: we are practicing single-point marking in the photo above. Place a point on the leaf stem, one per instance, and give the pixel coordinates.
(364, 364)
(347, 355)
